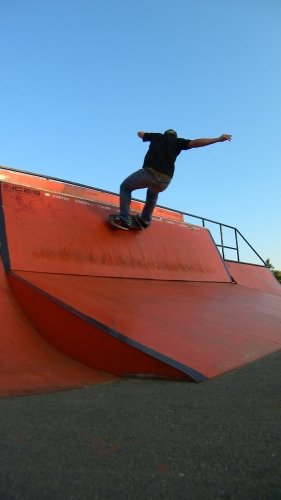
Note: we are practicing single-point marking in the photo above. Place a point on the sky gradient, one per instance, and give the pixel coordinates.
(80, 79)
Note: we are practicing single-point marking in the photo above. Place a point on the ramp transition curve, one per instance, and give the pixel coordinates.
(28, 363)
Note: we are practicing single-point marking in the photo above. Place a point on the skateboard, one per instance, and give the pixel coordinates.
(134, 224)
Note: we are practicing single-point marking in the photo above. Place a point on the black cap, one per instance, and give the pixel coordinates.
(170, 132)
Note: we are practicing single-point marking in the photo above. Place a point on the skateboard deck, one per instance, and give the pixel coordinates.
(134, 224)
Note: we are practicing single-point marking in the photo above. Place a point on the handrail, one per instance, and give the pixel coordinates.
(221, 225)
(203, 219)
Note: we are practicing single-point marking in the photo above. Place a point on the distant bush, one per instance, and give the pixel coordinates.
(276, 273)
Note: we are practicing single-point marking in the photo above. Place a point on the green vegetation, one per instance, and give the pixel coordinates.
(276, 273)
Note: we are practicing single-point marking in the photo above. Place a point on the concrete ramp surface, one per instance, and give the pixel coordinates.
(154, 303)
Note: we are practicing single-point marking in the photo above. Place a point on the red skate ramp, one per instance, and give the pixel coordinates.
(28, 363)
(172, 329)
(68, 235)
(253, 276)
(158, 303)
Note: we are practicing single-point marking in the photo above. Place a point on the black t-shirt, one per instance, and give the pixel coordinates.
(163, 151)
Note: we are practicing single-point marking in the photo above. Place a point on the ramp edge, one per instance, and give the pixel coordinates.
(3, 236)
(192, 373)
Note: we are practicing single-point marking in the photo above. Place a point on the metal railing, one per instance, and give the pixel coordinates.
(221, 245)
(203, 220)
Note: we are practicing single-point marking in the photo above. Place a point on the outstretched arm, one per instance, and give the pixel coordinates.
(141, 134)
(199, 143)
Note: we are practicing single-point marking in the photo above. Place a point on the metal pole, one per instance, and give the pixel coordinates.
(222, 245)
(251, 247)
(237, 249)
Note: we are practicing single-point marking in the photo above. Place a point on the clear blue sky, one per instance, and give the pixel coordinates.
(79, 79)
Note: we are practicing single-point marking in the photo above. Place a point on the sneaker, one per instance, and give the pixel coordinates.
(140, 222)
(117, 222)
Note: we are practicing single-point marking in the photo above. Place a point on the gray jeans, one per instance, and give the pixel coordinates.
(138, 180)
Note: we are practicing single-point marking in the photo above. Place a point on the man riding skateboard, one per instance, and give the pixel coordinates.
(156, 173)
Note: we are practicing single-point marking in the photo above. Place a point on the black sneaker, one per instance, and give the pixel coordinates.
(117, 222)
(140, 222)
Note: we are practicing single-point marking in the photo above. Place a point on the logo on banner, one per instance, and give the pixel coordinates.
(21, 190)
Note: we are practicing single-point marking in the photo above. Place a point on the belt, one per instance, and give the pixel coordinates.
(158, 176)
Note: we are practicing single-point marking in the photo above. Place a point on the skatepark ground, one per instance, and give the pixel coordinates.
(147, 439)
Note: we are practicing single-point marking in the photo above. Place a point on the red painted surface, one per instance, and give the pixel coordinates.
(27, 180)
(252, 276)
(61, 234)
(89, 344)
(158, 302)
(28, 363)
(207, 327)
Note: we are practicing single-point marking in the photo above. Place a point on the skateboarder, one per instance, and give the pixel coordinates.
(156, 173)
